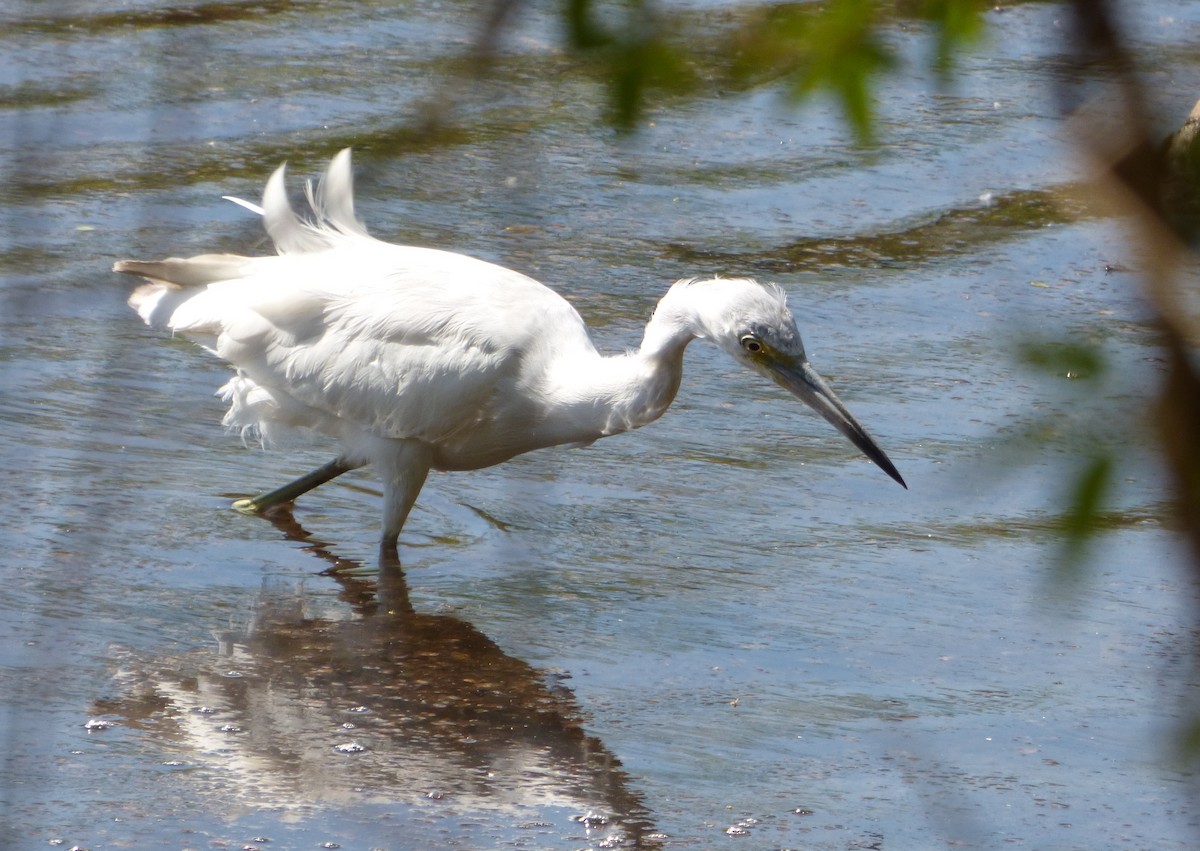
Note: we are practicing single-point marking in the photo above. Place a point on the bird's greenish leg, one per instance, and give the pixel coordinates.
(289, 492)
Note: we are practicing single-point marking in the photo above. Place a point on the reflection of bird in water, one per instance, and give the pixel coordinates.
(417, 359)
(374, 702)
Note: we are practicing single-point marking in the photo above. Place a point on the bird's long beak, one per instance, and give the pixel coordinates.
(796, 376)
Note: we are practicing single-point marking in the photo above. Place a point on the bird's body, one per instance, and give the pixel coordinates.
(419, 359)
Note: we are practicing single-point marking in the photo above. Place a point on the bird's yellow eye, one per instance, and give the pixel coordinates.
(751, 344)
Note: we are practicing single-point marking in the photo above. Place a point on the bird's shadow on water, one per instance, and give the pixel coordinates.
(320, 702)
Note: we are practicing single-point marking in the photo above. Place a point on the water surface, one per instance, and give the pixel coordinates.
(724, 628)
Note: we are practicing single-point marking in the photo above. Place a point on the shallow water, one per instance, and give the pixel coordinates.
(726, 627)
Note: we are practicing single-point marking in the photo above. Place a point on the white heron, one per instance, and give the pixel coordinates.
(417, 359)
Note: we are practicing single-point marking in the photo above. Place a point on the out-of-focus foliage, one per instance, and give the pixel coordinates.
(1085, 499)
(627, 45)
(1181, 188)
(959, 24)
(837, 48)
(636, 48)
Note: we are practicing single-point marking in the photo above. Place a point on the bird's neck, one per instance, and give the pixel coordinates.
(609, 395)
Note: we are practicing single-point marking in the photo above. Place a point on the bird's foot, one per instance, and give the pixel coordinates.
(246, 506)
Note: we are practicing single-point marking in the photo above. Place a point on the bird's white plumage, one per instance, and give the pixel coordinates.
(417, 358)
(343, 333)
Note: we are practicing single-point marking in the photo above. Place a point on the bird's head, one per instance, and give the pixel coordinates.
(753, 324)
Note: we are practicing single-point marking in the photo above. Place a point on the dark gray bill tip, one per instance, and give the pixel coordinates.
(808, 386)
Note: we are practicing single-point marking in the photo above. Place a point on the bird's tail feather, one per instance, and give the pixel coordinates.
(185, 294)
(188, 272)
(330, 218)
(174, 281)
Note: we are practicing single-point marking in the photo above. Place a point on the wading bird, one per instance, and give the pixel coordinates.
(417, 359)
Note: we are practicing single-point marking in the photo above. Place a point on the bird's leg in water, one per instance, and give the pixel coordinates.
(302, 485)
(403, 465)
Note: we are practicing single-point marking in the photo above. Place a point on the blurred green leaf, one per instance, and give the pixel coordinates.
(844, 53)
(638, 65)
(834, 48)
(631, 54)
(583, 32)
(1084, 516)
(1189, 744)
(1065, 359)
(959, 25)
(839, 47)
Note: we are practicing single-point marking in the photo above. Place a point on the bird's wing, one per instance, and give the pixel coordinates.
(401, 342)
(397, 341)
